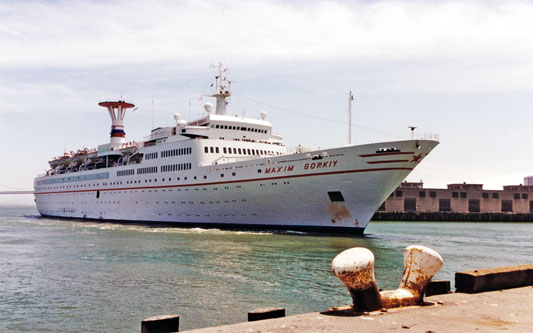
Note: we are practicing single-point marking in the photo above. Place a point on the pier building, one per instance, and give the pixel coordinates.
(459, 198)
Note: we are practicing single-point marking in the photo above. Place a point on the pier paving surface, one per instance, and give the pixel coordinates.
(506, 310)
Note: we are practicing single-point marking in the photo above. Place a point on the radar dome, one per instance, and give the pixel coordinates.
(263, 115)
(176, 116)
(208, 107)
(182, 123)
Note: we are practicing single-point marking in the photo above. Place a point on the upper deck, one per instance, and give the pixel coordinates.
(228, 139)
(231, 139)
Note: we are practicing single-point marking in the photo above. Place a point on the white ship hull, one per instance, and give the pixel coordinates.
(335, 190)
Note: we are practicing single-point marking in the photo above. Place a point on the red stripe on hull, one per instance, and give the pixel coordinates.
(386, 154)
(388, 161)
(230, 182)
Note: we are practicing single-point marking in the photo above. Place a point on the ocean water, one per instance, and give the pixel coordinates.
(70, 276)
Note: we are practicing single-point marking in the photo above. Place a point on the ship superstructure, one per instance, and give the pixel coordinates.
(224, 171)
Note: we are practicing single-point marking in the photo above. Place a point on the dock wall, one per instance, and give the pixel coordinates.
(452, 217)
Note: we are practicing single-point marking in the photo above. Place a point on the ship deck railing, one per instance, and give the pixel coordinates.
(427, 136)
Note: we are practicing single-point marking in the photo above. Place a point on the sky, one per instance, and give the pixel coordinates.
(459, 69)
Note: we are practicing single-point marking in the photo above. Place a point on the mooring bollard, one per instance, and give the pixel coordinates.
(355, 268)
(161, 324)
(420, 265)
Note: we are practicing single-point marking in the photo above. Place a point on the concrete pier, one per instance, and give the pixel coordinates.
(508, 310)
(488, 279)
(266, 313)
(161, 324)
(437, 287)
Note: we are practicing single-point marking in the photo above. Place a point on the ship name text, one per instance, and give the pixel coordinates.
(286, 168)
(320, 165)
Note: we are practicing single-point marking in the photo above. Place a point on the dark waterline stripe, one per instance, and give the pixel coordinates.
(224, 226)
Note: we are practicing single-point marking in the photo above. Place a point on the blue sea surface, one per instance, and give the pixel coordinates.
(70, 276)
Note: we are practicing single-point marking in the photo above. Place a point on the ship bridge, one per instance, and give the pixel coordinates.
(225, 127)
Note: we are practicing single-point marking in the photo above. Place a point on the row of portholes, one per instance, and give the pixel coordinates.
(163, 190)
(208, 215)
(240, 151)
(128, 182)
(190, 202)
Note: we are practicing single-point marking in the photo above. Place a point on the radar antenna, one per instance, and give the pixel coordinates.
(222, 89)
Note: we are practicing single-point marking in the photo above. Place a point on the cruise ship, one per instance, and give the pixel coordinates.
(225, 171)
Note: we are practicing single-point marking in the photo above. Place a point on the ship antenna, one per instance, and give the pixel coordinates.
(189, 106)
(222, 90)
(153, 113)
(350, 99)
(412, 128)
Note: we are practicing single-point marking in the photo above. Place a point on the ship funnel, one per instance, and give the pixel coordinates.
(117, 110)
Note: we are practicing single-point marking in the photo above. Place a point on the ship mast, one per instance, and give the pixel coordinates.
(350, 99)
(223, 86)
